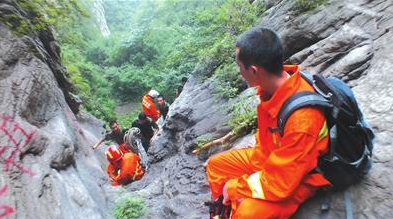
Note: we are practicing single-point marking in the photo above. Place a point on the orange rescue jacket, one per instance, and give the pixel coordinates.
(130, 169)
(149, 108)
(283, 163)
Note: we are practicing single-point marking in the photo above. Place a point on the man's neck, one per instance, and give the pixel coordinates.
(278, 82)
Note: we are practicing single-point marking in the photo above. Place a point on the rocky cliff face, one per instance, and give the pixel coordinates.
(176, 186)
(43, 45)
(48, 169)
(351, 40)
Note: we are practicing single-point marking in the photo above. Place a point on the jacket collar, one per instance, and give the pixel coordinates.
(290, 86)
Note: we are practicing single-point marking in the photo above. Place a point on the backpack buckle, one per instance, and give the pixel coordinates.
(274, 129)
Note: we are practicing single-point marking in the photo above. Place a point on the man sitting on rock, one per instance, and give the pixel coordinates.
(272, 179)
(116, 135)
(123, 168)
(148, 129)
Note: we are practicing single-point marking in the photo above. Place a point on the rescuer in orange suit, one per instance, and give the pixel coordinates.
(272, 179)
(149, 106)
(123, 168)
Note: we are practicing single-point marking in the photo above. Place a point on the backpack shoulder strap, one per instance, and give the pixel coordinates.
(297, 101)
(307, 76)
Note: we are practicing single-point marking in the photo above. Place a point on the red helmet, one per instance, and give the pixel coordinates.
(114, 154)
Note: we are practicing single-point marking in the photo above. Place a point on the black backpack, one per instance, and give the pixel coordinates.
(350, 138)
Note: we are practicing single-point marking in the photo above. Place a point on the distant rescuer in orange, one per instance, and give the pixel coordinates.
(272, 179)
(123, 168)
(149, 106)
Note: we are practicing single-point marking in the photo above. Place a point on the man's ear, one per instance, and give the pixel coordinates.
(254, 69)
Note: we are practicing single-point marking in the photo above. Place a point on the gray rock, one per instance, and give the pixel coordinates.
(43, 45)
(175, 185)
(55, 174)
(351, 40)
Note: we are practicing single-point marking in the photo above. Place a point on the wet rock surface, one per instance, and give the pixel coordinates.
(47, 165)
(351, 40)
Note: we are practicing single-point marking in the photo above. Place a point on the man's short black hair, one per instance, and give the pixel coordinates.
(184, 79)
(142, 116)
(262, 47)
(161, 96)
(112, 122)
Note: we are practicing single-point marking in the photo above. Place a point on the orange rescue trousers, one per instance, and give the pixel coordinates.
(272, 179)
(235, 163)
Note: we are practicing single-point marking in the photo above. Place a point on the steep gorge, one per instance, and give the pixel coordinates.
(58, 175)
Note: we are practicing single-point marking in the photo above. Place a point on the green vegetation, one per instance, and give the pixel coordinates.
(153, 44)
(228, 80)
(43, 14)
(201, 140)
(167, 46)
(89, 83)
(130, 208)
(244, 117)
(309, 5)
(73, 29)
(125, 120)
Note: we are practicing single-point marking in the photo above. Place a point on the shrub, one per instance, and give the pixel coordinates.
(201, 140)
(309, 5)
(229, 82)
(130, 208)
(125, 120)
(244, 117)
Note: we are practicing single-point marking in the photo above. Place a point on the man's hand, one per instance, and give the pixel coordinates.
(226, 200)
